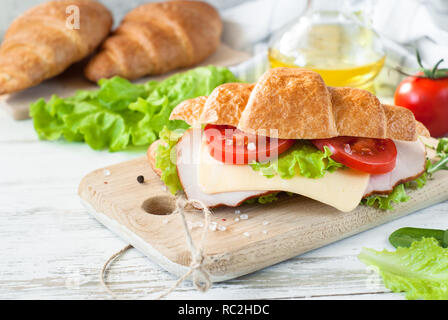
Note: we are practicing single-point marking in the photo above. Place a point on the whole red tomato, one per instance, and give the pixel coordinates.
(426, 95)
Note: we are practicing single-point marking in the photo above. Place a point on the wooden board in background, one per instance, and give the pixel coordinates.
(276, 232)
(66, 84)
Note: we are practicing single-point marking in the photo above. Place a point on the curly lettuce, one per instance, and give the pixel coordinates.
(121, 114)
(166, 158)
(385, 202)
(420, 270)
(268, 198)
(302, 159)
(399, 194)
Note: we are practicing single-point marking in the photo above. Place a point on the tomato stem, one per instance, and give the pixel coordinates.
(435, 73)
(439, 165)
(434, 70)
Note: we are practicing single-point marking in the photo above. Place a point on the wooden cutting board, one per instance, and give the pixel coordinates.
(140, 215)
(72, 80)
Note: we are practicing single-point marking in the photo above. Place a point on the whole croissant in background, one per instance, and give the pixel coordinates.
(39, 45)
(158, 37)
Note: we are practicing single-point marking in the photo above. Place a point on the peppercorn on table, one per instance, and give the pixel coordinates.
(52, 248)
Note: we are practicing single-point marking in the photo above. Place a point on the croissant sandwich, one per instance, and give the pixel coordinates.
(48, 38)
(158, 37)
(290, 132)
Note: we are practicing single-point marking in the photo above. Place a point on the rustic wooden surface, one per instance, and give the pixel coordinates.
(140, 214)
(51, 248)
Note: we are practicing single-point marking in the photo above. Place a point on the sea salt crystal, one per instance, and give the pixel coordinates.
(165, 221)
(347, 148)
(251, 146)
(236, 219)
(265, 223)
(106, 172)
(222, 228)
(244, 217)
(212, 227)
(237, 211)
(265, 231)
(246, 234)
(164, 188)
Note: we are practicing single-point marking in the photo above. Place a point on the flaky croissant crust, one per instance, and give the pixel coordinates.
(156, 38)
(294, 103)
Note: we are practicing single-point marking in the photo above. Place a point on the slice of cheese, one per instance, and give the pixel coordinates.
(342, 189)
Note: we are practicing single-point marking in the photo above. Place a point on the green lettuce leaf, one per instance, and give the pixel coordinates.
(418, 183)
(121, 114)
(302, 159)
(269, 198)
(166, 158)
(420, 270)
(385, 202)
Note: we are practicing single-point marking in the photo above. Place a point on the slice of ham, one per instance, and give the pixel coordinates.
(411, 158)
(188, 152)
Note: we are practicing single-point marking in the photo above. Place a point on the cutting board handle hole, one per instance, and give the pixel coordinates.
(159, 205)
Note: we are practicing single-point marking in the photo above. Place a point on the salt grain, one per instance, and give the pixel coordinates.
(236, 219)
(265, 223)
(347, 148)
(244, 217)
(165, 221)
(222, 228)
(246, 234)
(237, 211)
(251, 146)
(106, 172)
(265, 231)
(212, 227)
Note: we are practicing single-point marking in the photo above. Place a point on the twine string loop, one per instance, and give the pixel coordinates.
(200, 276)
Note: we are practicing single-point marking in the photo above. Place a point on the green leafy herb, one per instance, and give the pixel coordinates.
(121, 114)
(302, 159)
(442, 153)
(404, 237)
(420, 270)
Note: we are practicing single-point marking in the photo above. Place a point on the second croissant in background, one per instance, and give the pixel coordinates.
(156, 38)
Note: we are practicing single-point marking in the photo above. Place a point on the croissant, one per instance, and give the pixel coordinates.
(298, 104)
(158, 37)
(47, 39)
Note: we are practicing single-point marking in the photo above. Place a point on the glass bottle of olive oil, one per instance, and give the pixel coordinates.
(334, 43)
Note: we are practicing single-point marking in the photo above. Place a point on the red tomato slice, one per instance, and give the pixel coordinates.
(375, 156)
(233, 146)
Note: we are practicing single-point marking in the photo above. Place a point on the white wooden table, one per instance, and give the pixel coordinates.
(51, 248)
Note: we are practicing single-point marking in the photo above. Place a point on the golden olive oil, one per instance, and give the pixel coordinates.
(343, 55)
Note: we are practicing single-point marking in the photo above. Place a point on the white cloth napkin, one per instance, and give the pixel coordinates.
(415, 24)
